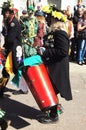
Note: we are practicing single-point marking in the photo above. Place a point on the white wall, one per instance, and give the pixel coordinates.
(65, 3)
(20, 5)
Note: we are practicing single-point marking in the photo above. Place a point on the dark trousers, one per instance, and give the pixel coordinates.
(74, 49)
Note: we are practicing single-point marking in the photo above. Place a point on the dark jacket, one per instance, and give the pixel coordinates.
(56, 59)
(13, 34)
(13, 41)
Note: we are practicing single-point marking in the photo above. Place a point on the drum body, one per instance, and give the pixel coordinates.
(40, 85)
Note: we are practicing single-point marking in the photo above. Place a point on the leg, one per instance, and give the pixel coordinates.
(3, 82)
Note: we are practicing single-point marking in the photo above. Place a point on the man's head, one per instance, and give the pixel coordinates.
(79, 2)
(39, 6)
(8, 14)
(30, 10)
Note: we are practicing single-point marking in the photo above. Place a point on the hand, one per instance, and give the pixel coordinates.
(41, 50)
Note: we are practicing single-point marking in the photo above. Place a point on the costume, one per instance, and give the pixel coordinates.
(13, 48)
(56, 59)
(36, 75)
(29, 35)
(55, 54)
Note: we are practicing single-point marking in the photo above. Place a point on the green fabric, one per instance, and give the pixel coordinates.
(30, 33)
(29, 51)
(32, 27)
(30, 61)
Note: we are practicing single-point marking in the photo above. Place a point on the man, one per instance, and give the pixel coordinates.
(79, 5)
(12, 47)
(74, 46)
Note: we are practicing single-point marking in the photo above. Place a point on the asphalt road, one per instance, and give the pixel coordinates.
(22, 109)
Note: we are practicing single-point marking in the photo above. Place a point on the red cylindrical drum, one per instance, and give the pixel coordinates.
(41, 87)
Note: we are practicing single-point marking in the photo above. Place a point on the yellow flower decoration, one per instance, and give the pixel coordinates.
(64, 18)
(56, 14)
(47, 9)
(59, 16)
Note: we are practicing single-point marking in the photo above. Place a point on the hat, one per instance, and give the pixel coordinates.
(31, 9)
(24, 12)
(55, 13)
(39, 13)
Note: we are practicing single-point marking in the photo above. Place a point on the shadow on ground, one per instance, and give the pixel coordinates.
(16, 111)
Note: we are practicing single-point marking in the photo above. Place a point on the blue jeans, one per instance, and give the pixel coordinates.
(82, 50)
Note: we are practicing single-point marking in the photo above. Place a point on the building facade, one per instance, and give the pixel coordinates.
(61, 4)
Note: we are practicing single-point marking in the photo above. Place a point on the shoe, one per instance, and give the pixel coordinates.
(46, 119)
(80, 63)
(17, 92)
(83, 62)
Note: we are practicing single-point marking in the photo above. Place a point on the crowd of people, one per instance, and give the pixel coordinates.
(46, 36)
(78, 39)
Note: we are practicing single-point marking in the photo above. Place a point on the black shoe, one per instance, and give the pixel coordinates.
(46, 119)
(17, 92)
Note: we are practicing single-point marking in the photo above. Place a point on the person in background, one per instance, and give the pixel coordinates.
(13, 49)
(81, 27)
(24, 14)
(41, 28)
(39, 8)
(69, 25)
(74, 45)
(69, 13)
(79, 5)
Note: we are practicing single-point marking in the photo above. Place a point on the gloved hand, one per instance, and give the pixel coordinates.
(41, 50)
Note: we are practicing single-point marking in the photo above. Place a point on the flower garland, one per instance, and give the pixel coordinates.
(56, 14)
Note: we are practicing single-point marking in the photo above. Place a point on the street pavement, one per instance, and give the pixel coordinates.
(22, 109)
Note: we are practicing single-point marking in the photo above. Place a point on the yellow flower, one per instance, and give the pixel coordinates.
(64, 18)
(56, 14)
(47, 9)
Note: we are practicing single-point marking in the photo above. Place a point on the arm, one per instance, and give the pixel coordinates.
(80, 27)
